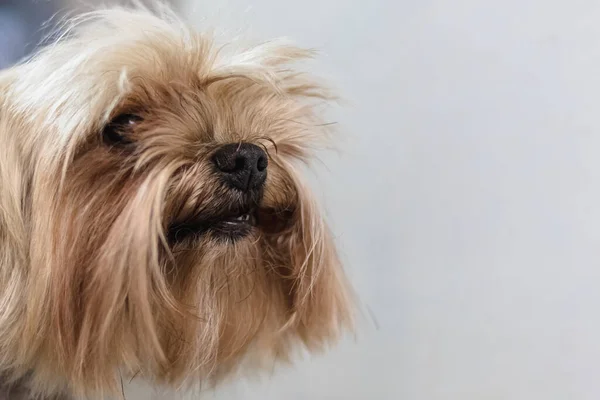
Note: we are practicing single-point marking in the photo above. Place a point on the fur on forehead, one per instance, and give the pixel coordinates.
(76, 84)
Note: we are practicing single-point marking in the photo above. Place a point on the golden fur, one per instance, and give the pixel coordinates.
(91, 289)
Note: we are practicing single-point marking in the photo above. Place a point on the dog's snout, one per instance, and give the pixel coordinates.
(242, 165)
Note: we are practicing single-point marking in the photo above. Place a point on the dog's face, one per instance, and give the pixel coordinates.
(153, 217)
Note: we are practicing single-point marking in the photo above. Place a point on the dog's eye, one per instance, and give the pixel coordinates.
(118, 130)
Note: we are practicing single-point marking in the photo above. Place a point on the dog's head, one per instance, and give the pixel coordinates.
(153, 219)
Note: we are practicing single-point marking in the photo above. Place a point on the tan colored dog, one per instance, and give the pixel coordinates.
(153, 220)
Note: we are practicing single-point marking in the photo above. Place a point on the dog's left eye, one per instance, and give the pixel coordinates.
(119, 129)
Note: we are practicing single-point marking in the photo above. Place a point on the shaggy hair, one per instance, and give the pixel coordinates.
(107, 142)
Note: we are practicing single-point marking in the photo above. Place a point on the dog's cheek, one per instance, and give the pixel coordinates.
(102, 229)
(305, 261)
(279, 186)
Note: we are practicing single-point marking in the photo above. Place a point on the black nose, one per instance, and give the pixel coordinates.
(243, 165)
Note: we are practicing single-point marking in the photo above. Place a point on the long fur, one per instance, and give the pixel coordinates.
(91, 290)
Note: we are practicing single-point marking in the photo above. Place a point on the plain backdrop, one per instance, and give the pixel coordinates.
(465, 196)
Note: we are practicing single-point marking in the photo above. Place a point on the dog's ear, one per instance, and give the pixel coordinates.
(11, 169)
(13, 226)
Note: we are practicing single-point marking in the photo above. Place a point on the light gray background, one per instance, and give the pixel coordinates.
(465, 197)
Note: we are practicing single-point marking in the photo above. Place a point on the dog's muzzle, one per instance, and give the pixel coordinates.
(242, 167)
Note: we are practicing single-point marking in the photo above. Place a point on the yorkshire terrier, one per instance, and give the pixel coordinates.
(153, 218)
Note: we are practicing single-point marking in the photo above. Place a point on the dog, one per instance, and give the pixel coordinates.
(154, 221)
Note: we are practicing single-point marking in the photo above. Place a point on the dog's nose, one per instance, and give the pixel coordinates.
(243, 165)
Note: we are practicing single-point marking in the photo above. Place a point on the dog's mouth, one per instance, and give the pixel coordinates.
(236, 225)
(232, 226)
